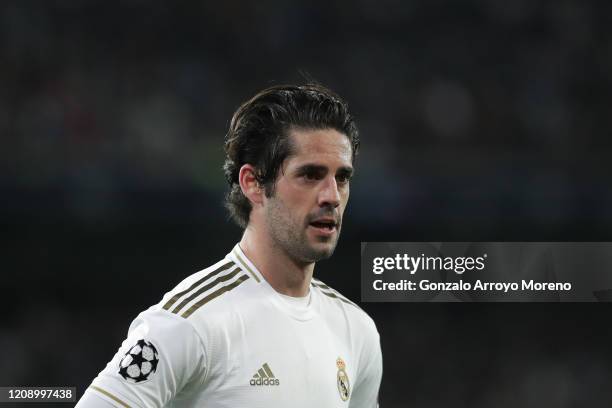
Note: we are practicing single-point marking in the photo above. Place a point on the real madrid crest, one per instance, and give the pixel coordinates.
(344, 387)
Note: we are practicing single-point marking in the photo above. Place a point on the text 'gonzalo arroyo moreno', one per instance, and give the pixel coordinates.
(458, 265)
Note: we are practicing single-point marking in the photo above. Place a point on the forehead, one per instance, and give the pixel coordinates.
(320, 145)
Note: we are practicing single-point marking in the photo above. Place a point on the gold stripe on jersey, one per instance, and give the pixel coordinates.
(246, 266)
(176, 297)
(321, 285)
(109, 395)
(222, 278)
(332, 295)
(213, 295)
(332, 292)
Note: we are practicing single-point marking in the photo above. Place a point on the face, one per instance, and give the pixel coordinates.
(304, 215)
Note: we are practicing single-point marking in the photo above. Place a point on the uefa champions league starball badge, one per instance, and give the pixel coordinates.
(140, 362)
(344, 387)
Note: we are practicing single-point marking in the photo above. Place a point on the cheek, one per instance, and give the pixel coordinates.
(345, 197)
(298, 197)
(294, 202)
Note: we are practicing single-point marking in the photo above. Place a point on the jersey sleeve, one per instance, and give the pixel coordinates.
(93, 400)
(162, 356)
(365, 391)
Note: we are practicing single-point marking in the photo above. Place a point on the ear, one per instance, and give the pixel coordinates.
(249, 185)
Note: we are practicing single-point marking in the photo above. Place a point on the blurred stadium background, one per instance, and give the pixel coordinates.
(480, 120)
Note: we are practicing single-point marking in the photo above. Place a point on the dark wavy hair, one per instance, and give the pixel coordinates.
(259, 135)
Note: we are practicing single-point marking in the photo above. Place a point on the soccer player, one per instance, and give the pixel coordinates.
(256, 329)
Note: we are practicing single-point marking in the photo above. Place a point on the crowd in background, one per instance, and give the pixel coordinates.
(479, 120)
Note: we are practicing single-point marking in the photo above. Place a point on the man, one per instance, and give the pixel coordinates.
(256, 329)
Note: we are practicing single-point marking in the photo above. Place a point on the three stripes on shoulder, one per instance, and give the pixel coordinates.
(206, 293)
(328, 291)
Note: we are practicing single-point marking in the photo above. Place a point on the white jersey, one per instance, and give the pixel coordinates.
(225, 338)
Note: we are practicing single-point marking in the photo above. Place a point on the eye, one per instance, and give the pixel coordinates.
(310, 175)
(343, 178)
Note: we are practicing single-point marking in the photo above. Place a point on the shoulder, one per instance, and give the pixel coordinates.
(198, 290)
(353, 312)
(208, 299)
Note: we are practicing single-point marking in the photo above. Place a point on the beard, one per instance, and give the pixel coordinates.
(290, 234)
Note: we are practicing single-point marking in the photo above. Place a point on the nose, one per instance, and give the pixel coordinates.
(329, 194)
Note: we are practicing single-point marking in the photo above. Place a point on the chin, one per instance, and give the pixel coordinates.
(321, 252)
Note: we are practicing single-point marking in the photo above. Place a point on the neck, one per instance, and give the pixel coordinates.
(284, 274)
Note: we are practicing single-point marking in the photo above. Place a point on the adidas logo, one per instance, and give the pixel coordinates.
(264, 376)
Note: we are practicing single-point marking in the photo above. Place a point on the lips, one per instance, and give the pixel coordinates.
(324, 223)
(324, 226)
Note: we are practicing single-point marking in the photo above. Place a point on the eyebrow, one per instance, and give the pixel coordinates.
(317, 168)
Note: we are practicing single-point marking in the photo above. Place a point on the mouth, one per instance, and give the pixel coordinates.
(325, 227)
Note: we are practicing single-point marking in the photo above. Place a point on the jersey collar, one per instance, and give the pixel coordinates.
(246, 264)
(299, 313)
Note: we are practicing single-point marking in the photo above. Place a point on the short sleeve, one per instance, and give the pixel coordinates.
(365, 390)
(162, 356)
